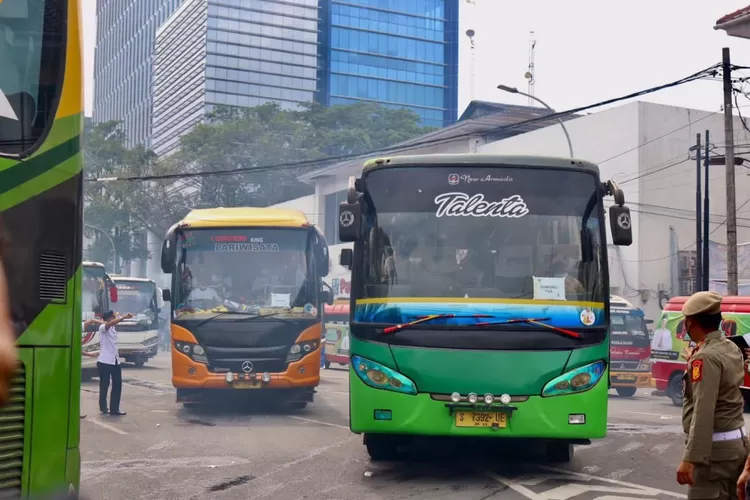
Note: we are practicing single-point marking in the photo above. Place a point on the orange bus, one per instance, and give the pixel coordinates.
(336, 319)
(247, 298)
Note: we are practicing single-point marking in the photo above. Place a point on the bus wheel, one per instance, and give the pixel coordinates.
(625, 392)
(139, 362)
(87, 375)
(559, 452)
(381, 447)
(328, 364)
(674, 389)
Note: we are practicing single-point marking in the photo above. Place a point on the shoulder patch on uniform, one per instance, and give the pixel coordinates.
(696, 370)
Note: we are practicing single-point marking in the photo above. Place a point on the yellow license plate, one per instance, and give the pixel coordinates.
(246, 384)
(481, 419)
(626, 377)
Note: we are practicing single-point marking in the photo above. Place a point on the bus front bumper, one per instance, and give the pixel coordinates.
(573, 417)
(630, 379)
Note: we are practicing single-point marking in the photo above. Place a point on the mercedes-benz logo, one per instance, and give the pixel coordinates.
(346, 218)
(247, 366)
(623, 220)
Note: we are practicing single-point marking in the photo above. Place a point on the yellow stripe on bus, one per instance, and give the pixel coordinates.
(71, 98)
(480, 300)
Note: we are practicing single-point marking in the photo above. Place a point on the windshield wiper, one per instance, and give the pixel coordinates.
(533, 321)
(425, 319)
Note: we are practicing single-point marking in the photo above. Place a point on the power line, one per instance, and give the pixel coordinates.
(391, 149)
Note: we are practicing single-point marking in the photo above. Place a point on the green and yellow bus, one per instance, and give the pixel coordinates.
(480, 299)
(41, 122)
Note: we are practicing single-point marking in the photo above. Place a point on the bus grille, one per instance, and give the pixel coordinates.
(12, 420)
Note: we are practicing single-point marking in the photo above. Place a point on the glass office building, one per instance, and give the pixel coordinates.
(399, 53)
(231, 52)
(125, 31)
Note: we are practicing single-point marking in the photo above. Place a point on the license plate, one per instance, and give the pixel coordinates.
(344, 352)
(246, 384)
(626, 377)
(481, 419)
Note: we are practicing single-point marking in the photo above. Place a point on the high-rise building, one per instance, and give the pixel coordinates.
(231, 52)
(399, 53)
(122, 62)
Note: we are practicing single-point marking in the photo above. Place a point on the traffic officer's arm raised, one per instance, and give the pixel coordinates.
(704, 375)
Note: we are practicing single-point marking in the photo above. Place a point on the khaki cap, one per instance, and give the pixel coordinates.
(702, 303)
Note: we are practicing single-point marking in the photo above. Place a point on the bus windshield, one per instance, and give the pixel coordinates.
(246, 267)
(491, 234)
(136, 297)
(628, 330)
(32, 42)
(94, 297)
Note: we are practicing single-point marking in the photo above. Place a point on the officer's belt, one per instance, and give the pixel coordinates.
(729, 435)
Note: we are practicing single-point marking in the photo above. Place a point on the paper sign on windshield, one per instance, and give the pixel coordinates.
(549, 288)
(281, 300)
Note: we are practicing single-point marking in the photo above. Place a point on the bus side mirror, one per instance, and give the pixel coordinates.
(346, 257)
(326, 297)
(649, 321)
(166, 295)
(324, 260)
(113, 294)
(621, 225)
(350, 222)
(168, 253)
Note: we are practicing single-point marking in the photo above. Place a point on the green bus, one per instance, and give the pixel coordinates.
(479, 300)
(41, 178)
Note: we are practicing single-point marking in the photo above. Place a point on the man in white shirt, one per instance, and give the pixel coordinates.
(203, 296)
(662, 340)
(108, 364)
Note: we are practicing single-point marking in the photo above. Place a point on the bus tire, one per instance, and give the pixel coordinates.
(87, 375)
(139, 362)
(674, 389)
(328, 364)
(625, 392)
(559, 452)
(381, 447)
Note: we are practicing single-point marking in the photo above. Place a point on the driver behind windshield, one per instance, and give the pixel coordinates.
(202, 295)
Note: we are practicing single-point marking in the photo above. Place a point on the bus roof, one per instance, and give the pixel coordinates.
(128, 278)
(617, 301)
(729, 304)
(88, 263)
(480, 159)
(244, 216)
(342, 308)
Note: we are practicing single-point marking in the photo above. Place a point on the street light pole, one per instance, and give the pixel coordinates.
(513, 90)
(112, 242)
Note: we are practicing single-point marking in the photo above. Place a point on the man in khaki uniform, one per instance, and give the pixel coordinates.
(717, 443)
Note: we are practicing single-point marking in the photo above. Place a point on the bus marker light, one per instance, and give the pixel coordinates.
(488, 399)
(266, 377)
(229, 377)
(455, 397)
(577, 418)
(472, 398)
(383, 415)
(191, 371)
(505, 399)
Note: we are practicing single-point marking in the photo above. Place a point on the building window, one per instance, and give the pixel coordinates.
(331, 227)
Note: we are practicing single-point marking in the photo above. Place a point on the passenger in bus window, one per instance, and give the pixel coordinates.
(8, 355)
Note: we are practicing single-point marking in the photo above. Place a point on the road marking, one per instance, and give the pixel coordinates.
(661, 448)
(105, 468)
(630, 447)
(590, 469)
(660, 415)
(619, 474)
(106, 426)
(523, 490)
(588, 477)
(311, 421)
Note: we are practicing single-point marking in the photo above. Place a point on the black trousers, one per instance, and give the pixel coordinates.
(105, 373)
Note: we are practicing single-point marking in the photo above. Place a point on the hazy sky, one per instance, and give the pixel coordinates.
(587, 50)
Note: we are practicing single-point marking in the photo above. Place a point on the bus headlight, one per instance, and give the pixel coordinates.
(193, 351)
(644, 365)
(578, 380)
(298, 351)
(381, 377)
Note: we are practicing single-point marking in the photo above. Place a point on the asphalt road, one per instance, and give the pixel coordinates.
(161, 451)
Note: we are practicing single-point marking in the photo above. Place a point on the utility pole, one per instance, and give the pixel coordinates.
(698, 225)
(726, 70)
(706, 217)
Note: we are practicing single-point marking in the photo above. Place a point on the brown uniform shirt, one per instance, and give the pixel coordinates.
(713, 401)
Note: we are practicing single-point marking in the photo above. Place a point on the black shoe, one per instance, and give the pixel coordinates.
(83, 416)
(117, 413)
(104, 412)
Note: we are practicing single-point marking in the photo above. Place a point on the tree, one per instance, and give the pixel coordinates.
(264, 140)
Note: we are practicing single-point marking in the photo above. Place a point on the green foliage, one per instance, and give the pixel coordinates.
(231, 138)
